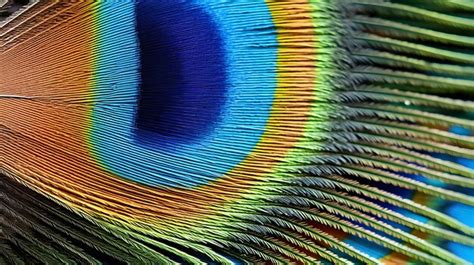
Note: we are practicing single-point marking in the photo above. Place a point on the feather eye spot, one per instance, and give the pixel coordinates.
(182, 71)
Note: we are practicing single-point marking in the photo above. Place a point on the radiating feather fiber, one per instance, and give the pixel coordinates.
(237, 132)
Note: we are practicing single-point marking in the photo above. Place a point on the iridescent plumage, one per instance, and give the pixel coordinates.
(237, 131)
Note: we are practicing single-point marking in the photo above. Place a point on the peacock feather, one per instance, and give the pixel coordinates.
(231, 132)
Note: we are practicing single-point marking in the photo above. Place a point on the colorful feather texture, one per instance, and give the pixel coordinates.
(156, 132)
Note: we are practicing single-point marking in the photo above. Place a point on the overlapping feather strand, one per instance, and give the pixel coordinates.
(161, 132)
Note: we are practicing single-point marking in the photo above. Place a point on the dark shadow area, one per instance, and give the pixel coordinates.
(11, 6)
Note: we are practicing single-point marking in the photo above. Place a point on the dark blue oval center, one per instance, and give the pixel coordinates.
(183, 76)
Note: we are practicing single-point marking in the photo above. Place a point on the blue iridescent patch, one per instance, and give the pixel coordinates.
(183, 71)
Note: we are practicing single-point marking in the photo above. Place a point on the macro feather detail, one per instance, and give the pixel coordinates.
(230, 132)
